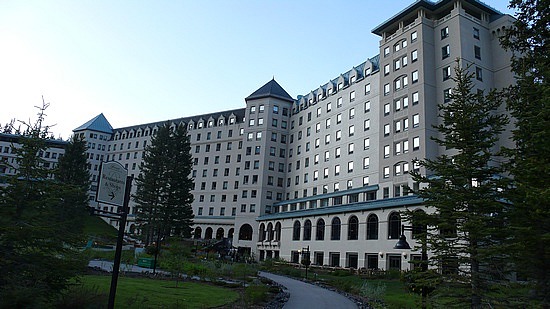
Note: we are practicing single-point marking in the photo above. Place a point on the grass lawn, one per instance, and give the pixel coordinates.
(145, 293)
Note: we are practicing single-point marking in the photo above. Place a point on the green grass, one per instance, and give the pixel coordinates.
(150, 293)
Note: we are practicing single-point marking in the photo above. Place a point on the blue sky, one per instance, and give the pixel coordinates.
(146, 61)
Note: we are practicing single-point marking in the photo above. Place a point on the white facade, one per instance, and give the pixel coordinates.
(267, 174)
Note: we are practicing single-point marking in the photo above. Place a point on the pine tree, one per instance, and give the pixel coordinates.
(38, 240)
(462, 228)
(529, 104)
(163, 194)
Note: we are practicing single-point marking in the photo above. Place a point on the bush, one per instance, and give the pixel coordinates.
(373, 292)
(255, 294)
(79, 296)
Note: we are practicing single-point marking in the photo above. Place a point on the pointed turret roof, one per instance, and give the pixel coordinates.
(99, 123)
(271, 89)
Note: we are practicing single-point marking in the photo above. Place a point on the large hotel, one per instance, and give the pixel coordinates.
(327, 170)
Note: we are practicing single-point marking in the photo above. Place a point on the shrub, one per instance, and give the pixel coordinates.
(373, 292)
(255, 294)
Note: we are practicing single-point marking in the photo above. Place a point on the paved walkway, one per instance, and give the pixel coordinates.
(305, 295)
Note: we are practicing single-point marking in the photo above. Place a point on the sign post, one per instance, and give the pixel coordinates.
(114, 187)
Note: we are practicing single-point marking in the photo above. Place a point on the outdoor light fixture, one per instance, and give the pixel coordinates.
(381, 254)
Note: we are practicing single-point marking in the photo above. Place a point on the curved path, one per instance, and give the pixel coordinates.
(305, 295)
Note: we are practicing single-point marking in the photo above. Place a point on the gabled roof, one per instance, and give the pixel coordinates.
(99, 123)
(271, 89)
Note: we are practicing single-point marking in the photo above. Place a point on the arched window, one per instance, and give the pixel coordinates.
(307, 230)
(198, 232)
(394, 225)
(269, 231)
(208, 234)
(219, 233)
(372, 226)
(335, 229)
(353, 228)
(230, 233)
(296, 230)
(262, 232)
(320, 230)
(278, 231)
(245, 233)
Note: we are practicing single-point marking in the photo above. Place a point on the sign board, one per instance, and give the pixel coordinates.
(112, 183)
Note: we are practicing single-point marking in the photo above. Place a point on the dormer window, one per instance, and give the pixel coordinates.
(367, 71)
(340, 86)
(352, 80)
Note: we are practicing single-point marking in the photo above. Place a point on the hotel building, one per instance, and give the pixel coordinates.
(327, 170)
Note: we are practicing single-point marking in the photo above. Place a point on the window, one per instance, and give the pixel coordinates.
(477, 52)
(351, 113)
(337, 152)
(296, 230)
(445, 51)
(338, 135)
(367, 106)
(352, 96)
(414, 36)
(416, 120)
(386, 151)
(386, 129)
(416, 143)
(397, 126)
(366, 125)
(320, 230)
(338, 118)
(350, 167)
(394, 226)
(351, 148)
(397, 84)
(414, 76)
(476, 33)
(386, 172)
(414, 55)
(405, 102)
(365, 180)
(327, 139)
(353, 228)
(327, 123)
(275, 109)
(479, 74)
(335, 229)
(444, 33)
(351, 130)
(397, 47)
(329, 107)
(404, 61)
(386, 51)
(372, 227)
(447, 95)
(387, 109)
(366, 162)
(366, 143)
(415, 98)
(367, 88)
(397, 64)
(397, 148)
(336, 170)
(386, 69)
(386, 89)
(307, 230)
(446, 73)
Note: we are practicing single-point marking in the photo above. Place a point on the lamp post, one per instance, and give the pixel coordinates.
(305, 258)
(404, 245)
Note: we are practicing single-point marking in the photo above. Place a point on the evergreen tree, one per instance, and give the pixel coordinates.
(529, 104)
(463, 227)
(163, 194)
(38, 240)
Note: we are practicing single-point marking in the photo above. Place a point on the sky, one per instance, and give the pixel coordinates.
(145, 61)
